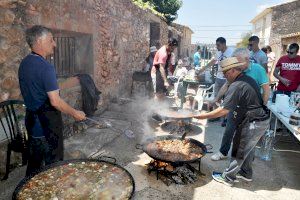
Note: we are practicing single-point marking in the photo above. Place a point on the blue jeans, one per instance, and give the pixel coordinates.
(249, 135)
(228, 135)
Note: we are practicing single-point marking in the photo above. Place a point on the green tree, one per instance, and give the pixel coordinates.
(244, 40)
(168, 8)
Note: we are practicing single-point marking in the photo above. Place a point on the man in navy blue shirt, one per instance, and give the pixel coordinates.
(40, 91)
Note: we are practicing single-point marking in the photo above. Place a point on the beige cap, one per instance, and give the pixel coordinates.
(229, 63)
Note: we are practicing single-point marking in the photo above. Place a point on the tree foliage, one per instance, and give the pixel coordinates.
(167, 8)
(244, 40)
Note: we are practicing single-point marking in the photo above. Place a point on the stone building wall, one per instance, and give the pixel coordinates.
(285, 20)
(119, 32)
(185, 47)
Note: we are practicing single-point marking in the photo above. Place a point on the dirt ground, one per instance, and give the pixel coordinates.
(275, 179)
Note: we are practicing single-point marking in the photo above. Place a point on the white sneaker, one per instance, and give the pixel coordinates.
(218, 156)
(240, 176)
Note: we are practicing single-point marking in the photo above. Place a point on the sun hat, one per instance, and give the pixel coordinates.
(153, 49)
(229, 63)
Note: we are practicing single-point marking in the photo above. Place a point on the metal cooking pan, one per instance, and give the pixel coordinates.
(182, 114)
(153, 155)
(26, 179)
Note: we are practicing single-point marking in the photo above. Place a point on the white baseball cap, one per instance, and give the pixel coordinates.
(153, 49)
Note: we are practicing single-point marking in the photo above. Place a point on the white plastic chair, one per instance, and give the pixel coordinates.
(176, 85)
(203, 96)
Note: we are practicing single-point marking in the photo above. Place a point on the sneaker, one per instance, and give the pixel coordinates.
(217, 176)
(218, 156)
(240, 176)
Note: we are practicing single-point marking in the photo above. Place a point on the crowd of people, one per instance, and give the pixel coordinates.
(241, 88)
(241, 93)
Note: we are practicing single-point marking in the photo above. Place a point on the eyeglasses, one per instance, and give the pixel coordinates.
(250, 45)
(290, 52)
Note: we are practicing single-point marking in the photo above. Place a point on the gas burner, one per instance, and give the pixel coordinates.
(170, 173)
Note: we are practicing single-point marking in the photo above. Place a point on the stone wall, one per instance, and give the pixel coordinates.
(119, 32)
(185, 47)
(285, 20)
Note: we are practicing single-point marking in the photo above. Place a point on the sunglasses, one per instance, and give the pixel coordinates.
(224, 72)
(290, 52)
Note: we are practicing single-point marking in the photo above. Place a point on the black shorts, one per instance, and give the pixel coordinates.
(159, 85)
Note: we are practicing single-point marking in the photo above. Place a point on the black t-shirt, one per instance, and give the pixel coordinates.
(243, 94)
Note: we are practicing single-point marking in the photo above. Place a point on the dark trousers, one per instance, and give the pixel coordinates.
(228, 135)
(243, 145)
(46, 150)
(39, 155)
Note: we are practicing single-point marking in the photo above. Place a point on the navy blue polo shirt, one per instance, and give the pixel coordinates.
(36, 77)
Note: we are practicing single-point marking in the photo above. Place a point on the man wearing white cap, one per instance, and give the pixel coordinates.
(149, 59)
(250, 116)
(161, 65)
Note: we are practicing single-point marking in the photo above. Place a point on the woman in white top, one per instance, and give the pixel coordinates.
(271, 62)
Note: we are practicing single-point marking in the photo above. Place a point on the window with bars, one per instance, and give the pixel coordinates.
(64, 56)
(73, 53)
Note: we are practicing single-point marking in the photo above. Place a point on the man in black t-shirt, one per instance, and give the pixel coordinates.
(244, 100)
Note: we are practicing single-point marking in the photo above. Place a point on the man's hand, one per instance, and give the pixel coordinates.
(79, 115)
(213, 102)
(166, 84)
(285, 81)
(199, 117)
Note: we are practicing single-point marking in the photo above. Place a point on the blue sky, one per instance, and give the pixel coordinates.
(210, 19)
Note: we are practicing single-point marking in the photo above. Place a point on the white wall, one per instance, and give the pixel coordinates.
(262, 29)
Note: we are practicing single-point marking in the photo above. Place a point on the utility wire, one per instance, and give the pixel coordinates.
(221, 26)
(213, 37)
(220, 30)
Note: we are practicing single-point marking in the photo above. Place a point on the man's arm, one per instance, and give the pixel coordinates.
(62, 106)
(285, 81)
(266, 92)
(276, 73)
(219, 112)
(221, 92)
(211, 63)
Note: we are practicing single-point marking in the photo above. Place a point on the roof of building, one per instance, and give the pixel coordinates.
(268, 10)
(291, 35)
(175, 25)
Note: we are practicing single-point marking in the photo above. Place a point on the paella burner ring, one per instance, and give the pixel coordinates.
(169, 173)
(171, 165)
